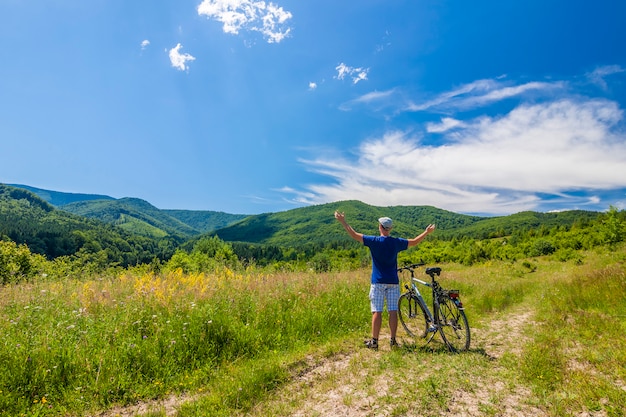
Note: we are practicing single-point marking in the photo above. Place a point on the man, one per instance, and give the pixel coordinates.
(385, 285)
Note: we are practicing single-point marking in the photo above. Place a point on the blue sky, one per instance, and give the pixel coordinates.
(488, 107)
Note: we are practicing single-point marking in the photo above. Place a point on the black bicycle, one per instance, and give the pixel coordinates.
(447, 316)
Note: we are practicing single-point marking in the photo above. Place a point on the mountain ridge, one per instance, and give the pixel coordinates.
(136, 215)
(305, 226)
(25, 218)
(59, 198)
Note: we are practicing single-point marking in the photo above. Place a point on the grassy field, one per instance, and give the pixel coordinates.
(548, 339)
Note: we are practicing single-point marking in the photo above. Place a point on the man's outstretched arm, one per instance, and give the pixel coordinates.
(420, 237)
(341, 217)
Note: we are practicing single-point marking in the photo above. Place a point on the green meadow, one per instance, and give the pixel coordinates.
(548, 338)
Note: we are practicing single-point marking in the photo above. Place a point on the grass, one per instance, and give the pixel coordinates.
(258, 344)
(76, 346)
(577, 359)
(567, 359)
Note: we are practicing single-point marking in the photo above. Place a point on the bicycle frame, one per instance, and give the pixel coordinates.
(419, 297)
(446, 316)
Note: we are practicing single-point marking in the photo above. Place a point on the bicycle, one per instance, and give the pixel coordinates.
(447, 317)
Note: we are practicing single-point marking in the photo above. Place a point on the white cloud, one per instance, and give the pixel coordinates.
(342, 70)
(312, 86)
(144, 44)
(357, 74)
(178, 60)
(447, 123)
(469, 96)
(360, 75)
(374, 98)
(235, 15)
(497, 165)
(598, 75)
(480, 93)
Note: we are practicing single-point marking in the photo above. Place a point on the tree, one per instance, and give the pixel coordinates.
(17, 263)
(613, 226)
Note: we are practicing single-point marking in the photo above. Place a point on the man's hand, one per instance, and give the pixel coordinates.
(426, 232)
(341, 217)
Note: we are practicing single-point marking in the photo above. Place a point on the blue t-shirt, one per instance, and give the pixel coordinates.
(384, 250)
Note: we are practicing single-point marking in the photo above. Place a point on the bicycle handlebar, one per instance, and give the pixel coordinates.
(410, 267)
(429, 271)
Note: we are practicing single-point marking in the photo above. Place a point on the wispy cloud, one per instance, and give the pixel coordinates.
(266, 18)
(144, 44)
(480, 93)
(179, 60)
(495, 165)
(357, 74)
(465, 97)
(373, 96)
(374, 99)
(598, 75)
(384, 42)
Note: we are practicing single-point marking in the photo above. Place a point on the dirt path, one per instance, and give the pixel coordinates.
(341, 386)
(503, 335)
(346, 395)
(166, 406)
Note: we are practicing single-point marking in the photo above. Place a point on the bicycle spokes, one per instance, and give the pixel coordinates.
(454, 327)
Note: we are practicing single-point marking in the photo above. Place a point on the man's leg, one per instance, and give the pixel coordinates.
(377, 320)
(377, 300)
(393, 324)
(393, 295)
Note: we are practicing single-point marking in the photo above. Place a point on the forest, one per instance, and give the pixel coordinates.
(39, 239)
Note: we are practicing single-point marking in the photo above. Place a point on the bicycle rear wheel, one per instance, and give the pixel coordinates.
(412, 316)
(453, 326)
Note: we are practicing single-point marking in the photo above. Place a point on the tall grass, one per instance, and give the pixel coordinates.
(74, 346)
(577, 360)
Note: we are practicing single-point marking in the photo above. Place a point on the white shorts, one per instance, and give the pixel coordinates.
(379, 293)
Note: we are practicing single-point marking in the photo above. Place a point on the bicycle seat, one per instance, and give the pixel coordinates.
(434, 270)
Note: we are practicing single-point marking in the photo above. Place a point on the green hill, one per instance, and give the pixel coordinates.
(133, 215)
(204, 220)
(316, 224)
(27, 219)
(57, 198)
(140, 217)
(523, 221)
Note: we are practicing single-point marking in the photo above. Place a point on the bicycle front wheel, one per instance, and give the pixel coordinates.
(453, 326)
(412, 316)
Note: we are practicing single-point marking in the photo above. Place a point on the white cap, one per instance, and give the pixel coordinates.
(385, 222)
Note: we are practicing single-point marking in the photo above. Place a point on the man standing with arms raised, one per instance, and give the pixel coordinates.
(385, 286)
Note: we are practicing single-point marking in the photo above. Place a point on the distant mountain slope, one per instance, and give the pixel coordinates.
(313, 225)
(28, 219)
(317, 225)
(205, 220)
(526, 220)
(57, 198)
(134, 215)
